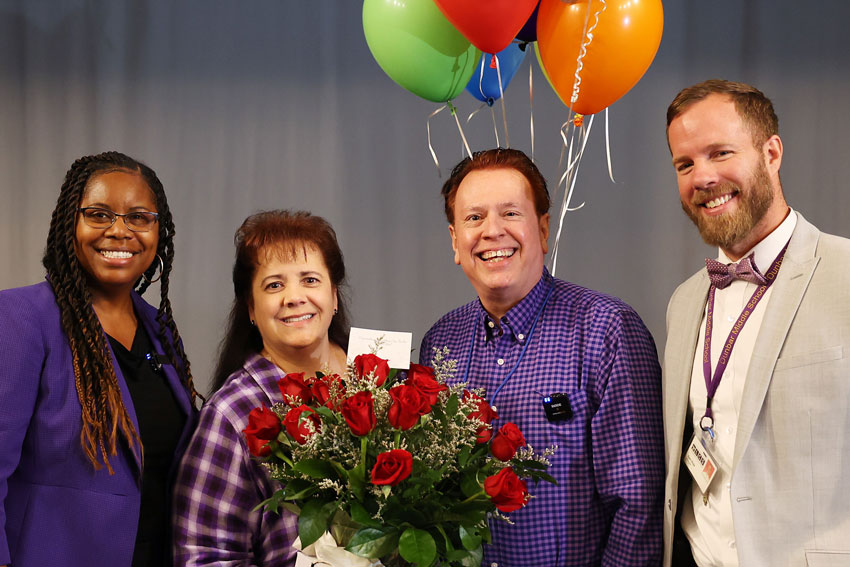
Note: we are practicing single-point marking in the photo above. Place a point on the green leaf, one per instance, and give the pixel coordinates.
(314, 520)
(474, 559)
(355, 481)
(469, 484)
(373, 542)
(530, 464)
(469, 538)
(391, 376)
(463, 456)
(362, 516)
(544, 476)
(326, 413)
(298, 489)
(315, 468)
(272, 504)
(451, 405)
(417, 546)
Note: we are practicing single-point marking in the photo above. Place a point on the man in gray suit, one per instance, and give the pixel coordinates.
(757, 363)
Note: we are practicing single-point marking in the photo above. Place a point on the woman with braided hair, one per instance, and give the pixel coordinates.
(96, 395)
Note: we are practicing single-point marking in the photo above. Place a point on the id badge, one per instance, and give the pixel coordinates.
(700, 462)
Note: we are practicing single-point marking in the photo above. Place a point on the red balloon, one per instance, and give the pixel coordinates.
(490, 25)
(624, 43)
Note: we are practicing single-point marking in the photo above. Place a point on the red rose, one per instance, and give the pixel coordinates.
(263, 426)
(296, 423)
(258, 447)
(422, 378)
(483, 412)
(321, 389)
(408, 404)
(506, 442)
(506, 490)
(294, 389)
(365, 364)
(392, 467)
(359, 413)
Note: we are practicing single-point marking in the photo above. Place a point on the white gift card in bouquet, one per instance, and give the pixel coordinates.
(393, 346)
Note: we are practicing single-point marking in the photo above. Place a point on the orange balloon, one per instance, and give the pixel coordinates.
(624, 43)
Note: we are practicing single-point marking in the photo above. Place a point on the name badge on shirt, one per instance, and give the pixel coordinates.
(700, 462)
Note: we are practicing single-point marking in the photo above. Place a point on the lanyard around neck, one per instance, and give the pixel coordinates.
(492, 397)
(712, 382)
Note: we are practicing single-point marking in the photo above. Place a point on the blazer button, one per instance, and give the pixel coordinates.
(670, 504)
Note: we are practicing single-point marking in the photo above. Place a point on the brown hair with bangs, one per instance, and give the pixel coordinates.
(276, 234)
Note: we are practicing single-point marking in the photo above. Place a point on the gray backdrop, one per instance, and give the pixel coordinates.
(247, 105)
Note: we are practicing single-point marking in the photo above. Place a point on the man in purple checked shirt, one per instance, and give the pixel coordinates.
(570, 366)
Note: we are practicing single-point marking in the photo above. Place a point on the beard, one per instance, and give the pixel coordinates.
(726, 230)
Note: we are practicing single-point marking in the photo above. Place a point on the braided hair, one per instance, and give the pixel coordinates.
(103, 410)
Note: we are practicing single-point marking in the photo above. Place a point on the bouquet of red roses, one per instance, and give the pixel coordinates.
(397, 469)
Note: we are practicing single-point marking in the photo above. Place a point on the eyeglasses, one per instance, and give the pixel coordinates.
(137, 221)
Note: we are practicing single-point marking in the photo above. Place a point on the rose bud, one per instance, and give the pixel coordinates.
(263, 426)
(366, 364)
(506, 442)
(296, 423)
(392, 467)
(294, 389)
(483, 412)
(408, 404)
(321, 389)
(506, 490)
(359, 413)
(422, 378)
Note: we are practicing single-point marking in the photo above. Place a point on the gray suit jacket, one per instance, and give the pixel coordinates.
(791, 466)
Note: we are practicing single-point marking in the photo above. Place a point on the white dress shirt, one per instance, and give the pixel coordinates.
(709, 526)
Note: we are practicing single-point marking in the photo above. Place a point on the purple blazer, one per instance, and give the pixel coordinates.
(55, 509)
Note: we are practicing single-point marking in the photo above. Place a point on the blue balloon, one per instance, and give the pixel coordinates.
(485, 87)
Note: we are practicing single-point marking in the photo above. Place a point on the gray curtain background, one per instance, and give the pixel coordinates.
(247, 105)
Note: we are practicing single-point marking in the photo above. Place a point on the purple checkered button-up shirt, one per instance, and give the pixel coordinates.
(219, 483)
(607, 506)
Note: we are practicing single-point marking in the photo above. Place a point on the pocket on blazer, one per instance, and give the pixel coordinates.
(809, 358)
(827, 558)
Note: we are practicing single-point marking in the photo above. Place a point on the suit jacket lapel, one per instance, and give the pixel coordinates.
(786, 296)
(682, 337)
(181, 394)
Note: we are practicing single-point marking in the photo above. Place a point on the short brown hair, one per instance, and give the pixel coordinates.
(753, 107)
(497, 158)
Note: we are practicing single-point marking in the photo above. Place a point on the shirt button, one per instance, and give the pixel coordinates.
(521, 337)
(729, 430)
(491, 324)
(732, 544)
(730, 318)
(494, 564)
(500, 362)
(728, 486)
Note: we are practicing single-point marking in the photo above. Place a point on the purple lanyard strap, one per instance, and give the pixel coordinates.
(712, 383)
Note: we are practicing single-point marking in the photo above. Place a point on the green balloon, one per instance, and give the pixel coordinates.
(418, 47)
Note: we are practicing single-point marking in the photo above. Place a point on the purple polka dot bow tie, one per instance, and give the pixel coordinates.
(721, 275)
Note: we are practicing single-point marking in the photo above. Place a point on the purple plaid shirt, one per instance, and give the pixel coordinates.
(219, 483)
(607, 506)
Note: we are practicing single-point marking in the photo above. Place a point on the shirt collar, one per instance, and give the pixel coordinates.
(518, 320)
(766, 251)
